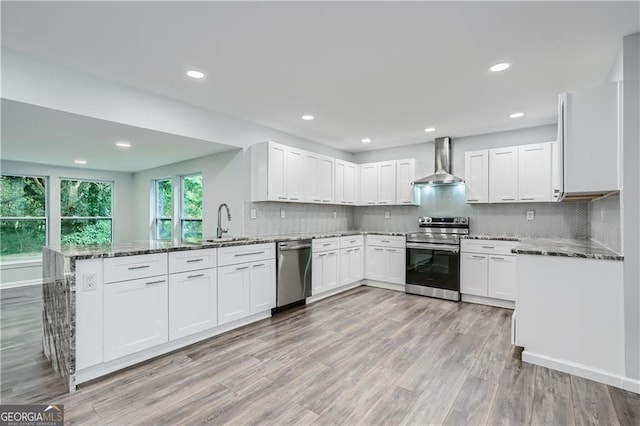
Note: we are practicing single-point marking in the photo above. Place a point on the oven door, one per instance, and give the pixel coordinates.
(434, 265)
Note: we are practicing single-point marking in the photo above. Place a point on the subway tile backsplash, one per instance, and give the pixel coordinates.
(605, 223)
(299, 218)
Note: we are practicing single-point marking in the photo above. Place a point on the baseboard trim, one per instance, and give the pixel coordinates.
(333, 292)
(16, 284)
(380, 284)
(489, 301)
(581, 370)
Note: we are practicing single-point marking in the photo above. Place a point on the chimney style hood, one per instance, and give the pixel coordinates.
(442, 167)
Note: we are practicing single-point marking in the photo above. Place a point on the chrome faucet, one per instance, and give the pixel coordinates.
(221, 231)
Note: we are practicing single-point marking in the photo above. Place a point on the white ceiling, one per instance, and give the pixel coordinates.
(384, 70)
(59, 138)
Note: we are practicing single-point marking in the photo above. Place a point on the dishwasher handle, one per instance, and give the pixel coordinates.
(298, 247)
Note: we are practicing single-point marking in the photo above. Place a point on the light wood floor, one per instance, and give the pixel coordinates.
(368, 356)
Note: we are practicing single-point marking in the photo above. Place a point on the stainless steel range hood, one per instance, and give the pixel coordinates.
(442, 167)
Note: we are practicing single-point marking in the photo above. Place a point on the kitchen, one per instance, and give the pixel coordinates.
(231, 170)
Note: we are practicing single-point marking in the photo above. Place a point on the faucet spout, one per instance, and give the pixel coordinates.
(219, 230)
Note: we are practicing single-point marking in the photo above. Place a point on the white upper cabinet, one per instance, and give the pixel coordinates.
(387, 182)
(276, 177)
(295, 173)
(277, 172)
(369, 183)
(476, 175)
(503, 175)
(534, 172)
(345, 182)
(590, 133)
(325, 177)
(405, 175)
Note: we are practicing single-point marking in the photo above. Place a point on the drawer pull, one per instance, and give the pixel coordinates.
(478, 257)
(322, 254)
(241, 268)
(326, 244)
(385, 241)
(258, 265)
(133, 268)
(507, 199)
(317, 200)
(488, 247)
(349, 251)
(392, 250)
(195, 276)
(527, 199)
(378, 249)
(248, 254)
(497, 258)
(195, 260)
(282, 198)
(325, 201)
(294, 198)
(155, 282)
(473, 199)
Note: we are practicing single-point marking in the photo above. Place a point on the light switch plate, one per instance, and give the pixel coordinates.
(530, 215)
(386, 215)
(283, 214)
(90, 282)
(253, 214)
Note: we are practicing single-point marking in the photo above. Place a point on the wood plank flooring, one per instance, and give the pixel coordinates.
(368, 356)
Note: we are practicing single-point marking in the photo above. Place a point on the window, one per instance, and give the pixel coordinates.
(23, 216)
(163, 210)
(85, 212)
(191, 207)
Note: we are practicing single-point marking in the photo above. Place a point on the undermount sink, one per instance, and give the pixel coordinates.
(225, 239)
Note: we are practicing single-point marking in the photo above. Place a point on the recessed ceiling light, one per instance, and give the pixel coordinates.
(195, 74)
(123, 144)
(500, 67)
(80, 162)
(517, 115)
(307, 117)
(430, 129)
(366, 140)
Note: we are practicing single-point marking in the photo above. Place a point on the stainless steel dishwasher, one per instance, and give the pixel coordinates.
(293, 282)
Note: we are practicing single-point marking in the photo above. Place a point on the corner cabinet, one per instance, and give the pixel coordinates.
(277, 172)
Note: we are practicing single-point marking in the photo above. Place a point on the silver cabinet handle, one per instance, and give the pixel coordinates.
(294, 198)
(316, 200)
(507, 199)
(478, 257)
(326, 244)
(371, 202)
(195, 276)
(378, 249)
(248, 254)
(349, 250)
(325, 201)
(241, 268)
(195, 260)
(488, 247)
(392, 250)
(527, 198)
(282, 198)
(322, 254)
(258, 265)
(155, 282)
(385, 241)
(473, 199)
(497, 258)
(132, 268)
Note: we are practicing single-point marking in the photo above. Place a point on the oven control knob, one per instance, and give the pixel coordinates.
(456, 220)
(427, 219)
(463, 220)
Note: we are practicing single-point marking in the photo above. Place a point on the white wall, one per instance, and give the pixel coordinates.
(424, 152)
(123, 209)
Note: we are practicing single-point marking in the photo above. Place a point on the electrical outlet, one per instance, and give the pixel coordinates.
(90, 282)
(283, 214)
(386, 215)
(530, 215)
(335, 215)
(253, 214)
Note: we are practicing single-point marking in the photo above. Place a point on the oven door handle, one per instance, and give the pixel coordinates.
(441, 247)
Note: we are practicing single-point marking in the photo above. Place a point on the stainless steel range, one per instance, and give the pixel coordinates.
(433, 257)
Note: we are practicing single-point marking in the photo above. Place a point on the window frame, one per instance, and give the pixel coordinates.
(31, 256)
(62, 218)
(180, 205)
(156, 209)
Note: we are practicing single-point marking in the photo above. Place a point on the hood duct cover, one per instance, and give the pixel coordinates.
(442, 166)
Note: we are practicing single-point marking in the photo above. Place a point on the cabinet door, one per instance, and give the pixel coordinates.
(395, 265)
(474, 274)
(317, 273)
(277, 172)
(503, 175)
(502, 277)
(340, 182)
(356, 264)
(295, 174)
(369, 183)
(405, 174)
(135, 316)
(193, 302)
(311, 164)
(387, 182)
(345, 272)
(534, 172)
(233, 293)
(376, 264)
(476, 176)
(324, 177)
(331, 269)
(263, 286)
(350, 183)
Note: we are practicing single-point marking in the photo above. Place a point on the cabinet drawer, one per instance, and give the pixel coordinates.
(134, 267)
(324, 244)
(487, 246)
(351, 241)
(386, 241)
(191, 260)
(248, 253)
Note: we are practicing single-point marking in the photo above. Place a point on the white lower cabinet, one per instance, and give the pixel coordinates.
(193, 302)
(324, 271)
(262, 288)
(351, 265)
(488, 269)
(386, 259)
(135, 316)
(234, 290)
(376, 264)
